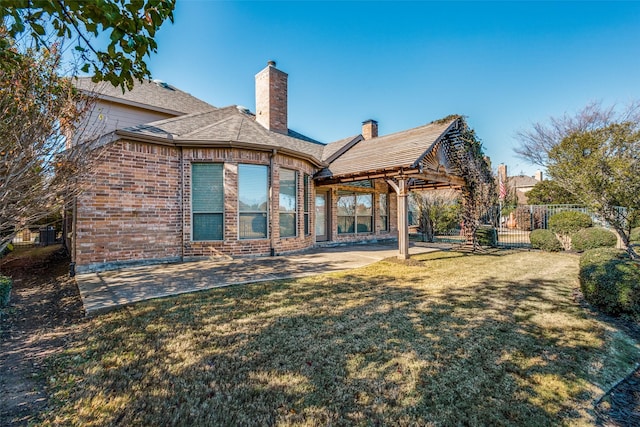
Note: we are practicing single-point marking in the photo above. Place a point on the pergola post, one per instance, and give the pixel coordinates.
(402, 191)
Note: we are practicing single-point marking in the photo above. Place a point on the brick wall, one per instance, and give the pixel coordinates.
(231, 245)
(138, 208)
(131, 211)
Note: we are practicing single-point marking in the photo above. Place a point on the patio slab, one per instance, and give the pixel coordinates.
(108, 290)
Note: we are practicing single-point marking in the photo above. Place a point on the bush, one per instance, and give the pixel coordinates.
(5, 290)
(487, 236)
(635, 235)
(592, 238)
(566, 223)
(610, 280)
(545, 240)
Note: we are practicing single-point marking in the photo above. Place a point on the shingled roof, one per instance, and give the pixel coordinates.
(394, 151)
(150, 95)
(229, 126)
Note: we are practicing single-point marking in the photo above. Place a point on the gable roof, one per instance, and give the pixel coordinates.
(520, 181)
(156, 96)
(394, 151)
(229, 126)
(334, 149)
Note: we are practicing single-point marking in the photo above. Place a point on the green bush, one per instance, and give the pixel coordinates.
(592, 238)
(545, 240)
(487, 236)
(568, 222)
(565, 223)
(610, 280)
(635, 235)
(5, 290)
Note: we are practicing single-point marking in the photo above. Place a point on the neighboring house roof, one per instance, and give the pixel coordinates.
(229, 126)
(156, 96)
(521, 181)
(398, 150)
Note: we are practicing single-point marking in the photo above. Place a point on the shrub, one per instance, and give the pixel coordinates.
(487, 236)
(568, 222)
(5, 290)
(592, 238)
(545, 240)
(610, 280)
(635, 235)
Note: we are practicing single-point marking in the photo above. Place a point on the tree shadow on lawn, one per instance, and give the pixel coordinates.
(342, 350)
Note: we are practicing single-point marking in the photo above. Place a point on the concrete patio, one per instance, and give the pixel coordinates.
(109, 290)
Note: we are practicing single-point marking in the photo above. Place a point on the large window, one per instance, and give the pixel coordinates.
(383, 211)
(288, 203)
(355, 213)
(207, 201)
(253, 188)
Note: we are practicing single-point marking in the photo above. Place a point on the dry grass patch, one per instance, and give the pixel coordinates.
(445, 339)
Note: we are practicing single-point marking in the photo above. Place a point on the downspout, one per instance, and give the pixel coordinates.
(74, 236)
(181, 204)
(272, 250)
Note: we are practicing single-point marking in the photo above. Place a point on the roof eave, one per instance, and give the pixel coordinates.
(169, 140)
(130, 103)
(249, 146)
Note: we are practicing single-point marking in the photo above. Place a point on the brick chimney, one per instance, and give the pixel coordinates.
(370, 129)
(502, 172)
(538, 176)
(271, 98)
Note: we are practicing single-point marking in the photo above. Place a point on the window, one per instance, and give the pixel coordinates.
(288, 203)
(383, 211)
(207, 201)
(307, 195)
(253, 188)
(355, 213)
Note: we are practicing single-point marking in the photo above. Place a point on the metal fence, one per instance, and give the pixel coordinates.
(514, 226)
(514, 229)
(37, 236)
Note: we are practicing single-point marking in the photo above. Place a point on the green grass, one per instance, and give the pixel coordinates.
(443, 339)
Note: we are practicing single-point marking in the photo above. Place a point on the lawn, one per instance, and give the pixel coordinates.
(442, 339)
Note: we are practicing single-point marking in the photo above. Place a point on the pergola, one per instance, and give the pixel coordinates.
(427, 157)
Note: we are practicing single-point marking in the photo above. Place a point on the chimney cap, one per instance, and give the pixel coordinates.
(370, 121)
(271, 63)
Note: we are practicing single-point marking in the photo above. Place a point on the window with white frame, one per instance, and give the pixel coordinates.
(288, 203)
(253, 201)
(207, 201)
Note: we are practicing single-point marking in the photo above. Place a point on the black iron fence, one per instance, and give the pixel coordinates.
(514, 225)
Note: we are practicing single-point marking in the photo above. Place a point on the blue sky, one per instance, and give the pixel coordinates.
(504, 65)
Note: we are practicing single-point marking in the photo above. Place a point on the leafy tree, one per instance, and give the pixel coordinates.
(536, 143)
(550, 193)
(131, 26)
(601, 167)
(39, 109)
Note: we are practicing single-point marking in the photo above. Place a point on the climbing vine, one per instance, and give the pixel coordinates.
(479, 192)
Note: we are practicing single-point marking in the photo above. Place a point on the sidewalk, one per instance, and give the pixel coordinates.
(108, 290)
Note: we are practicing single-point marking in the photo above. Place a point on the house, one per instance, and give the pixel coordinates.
(179, 179)
(518, 185)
